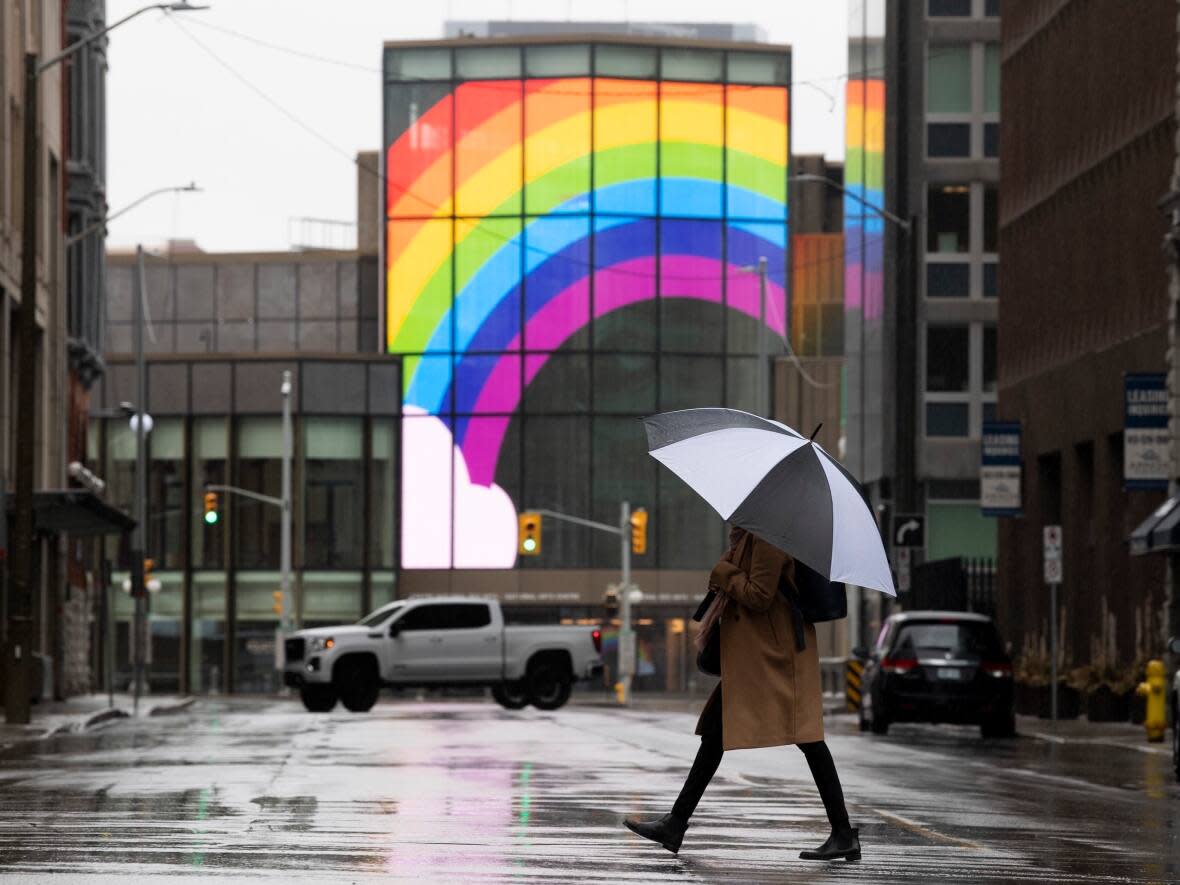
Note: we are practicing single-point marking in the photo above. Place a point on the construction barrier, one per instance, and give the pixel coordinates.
(854, 671)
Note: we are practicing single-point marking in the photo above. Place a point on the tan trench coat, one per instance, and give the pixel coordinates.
(772, 691)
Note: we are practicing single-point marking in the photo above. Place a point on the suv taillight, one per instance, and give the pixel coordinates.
(898, 665)
(596, 635)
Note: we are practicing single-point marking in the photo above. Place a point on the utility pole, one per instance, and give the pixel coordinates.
(289, 617)
(138, 539)
(626, 634)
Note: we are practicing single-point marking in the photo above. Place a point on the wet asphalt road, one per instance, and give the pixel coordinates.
(467, 792)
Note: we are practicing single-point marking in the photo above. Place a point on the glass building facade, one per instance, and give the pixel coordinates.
(570, 232)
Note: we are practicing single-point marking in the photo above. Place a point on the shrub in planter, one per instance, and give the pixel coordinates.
(1105, 704)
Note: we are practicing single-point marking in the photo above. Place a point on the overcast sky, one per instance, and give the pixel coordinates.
(178, 114)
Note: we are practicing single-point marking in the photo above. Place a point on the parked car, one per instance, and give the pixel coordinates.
(452, 641)
(936, 666)
(1174, 706)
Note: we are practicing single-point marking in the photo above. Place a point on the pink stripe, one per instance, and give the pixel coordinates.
(615, 288)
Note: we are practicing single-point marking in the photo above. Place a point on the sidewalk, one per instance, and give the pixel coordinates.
(84, 712)
(1099, 734)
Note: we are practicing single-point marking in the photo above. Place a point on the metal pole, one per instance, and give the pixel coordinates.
(289, 613)
(20, 604)
(762, 368)
(626, 635)
(138, 536)
(1053, 650)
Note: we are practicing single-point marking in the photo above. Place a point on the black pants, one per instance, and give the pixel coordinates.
(819, 760)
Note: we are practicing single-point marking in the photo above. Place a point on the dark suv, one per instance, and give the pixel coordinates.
(932, 666)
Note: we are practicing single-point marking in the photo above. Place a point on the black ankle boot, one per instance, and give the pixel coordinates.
(667, 830)
(843, 843)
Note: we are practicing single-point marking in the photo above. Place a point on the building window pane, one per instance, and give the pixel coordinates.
(383, 493)
(948, 80)
(257, 525)
(555, 476)
(625, 61)
(989, 413)
(556, 61)
(991, 139)
(418, 64)
(487, 63)
(691, 64)
(991, 8)
(166, 494)
(333, 499)
(948, 225)
(991, 221)
(991, 78)
(948, 140)
(989, 358)
(946, 358)
(991, 285)
(948, 280)
(946, 419)
(955, 8)
(756, 67)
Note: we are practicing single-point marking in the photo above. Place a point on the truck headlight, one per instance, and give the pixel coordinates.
(322, 644)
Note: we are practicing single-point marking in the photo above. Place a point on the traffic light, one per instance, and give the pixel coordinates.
(529, 534)
(639, 532)
(151, 583)
(211, 514)
(277, 607)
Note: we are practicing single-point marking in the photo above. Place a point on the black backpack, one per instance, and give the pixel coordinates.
(818, 600)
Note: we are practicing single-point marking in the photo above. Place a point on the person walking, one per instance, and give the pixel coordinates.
(769, 694)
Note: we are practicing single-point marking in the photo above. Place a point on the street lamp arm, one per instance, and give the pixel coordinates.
(884, 213)
(102, 32)
(103, 222)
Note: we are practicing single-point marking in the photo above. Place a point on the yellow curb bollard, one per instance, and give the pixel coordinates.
(853, 672)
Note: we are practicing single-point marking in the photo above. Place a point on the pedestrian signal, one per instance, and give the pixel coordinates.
(639, 532)
(277, 607)
(211, 514)
(529, 534)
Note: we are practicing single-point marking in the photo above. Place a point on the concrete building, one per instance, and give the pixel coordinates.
(1088, 151)
(922, 143)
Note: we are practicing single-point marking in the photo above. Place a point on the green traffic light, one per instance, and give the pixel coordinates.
(211, 517)
(530, 544)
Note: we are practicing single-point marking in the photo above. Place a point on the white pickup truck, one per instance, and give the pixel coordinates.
(439, 642)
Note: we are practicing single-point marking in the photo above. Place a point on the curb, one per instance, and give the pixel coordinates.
(92, 721)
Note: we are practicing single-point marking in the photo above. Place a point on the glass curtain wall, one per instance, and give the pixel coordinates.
(568, 229)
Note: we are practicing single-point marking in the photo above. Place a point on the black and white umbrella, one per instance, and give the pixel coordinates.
(780, 485)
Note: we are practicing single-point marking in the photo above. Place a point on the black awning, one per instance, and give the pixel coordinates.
(1160, 532)
(75, 512)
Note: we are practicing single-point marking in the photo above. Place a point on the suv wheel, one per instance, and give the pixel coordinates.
(511, 695)
(356, 681)
(317, 698)
(549, 686)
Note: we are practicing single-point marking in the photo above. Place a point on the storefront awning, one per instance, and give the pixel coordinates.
(75, 512)
(1160, 532)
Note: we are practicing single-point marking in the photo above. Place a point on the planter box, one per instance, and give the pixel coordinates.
(1103, 704)
(1037, 700)
(1030, 699)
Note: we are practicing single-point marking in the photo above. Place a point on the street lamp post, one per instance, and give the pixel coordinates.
(101, 224)
(20, 603)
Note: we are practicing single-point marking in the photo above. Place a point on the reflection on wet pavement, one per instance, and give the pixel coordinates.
(467, 792)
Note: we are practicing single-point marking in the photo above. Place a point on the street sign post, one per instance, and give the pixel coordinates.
(1053, 574)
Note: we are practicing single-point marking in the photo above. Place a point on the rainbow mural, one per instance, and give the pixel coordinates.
(520, 211)
(864, 177)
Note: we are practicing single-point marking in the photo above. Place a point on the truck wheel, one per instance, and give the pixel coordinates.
(511, 695)
(356, 681)
(317, 698)
(549, 686)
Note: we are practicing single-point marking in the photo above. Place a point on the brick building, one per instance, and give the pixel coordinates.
(1087, 151)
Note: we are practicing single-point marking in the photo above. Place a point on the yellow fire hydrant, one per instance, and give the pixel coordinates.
(1155, 690)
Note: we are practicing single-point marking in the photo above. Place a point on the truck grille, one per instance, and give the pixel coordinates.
(294, 648)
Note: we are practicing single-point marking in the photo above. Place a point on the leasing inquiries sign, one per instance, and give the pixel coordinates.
(1145, 431)
(999, 472)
